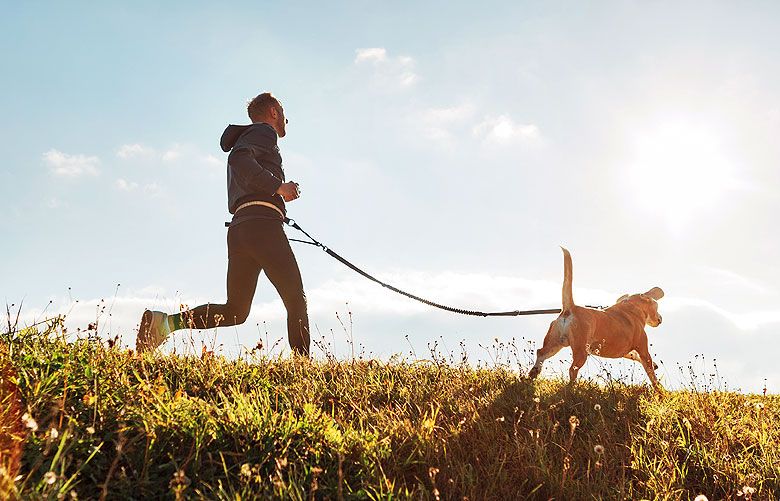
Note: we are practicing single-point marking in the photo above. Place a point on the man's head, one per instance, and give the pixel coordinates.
(267, 109)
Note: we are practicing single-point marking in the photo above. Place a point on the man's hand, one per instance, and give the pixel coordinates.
(289, 191)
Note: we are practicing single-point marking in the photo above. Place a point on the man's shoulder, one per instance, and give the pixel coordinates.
(260, 134)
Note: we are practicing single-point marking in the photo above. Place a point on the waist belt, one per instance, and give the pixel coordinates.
(265, 204)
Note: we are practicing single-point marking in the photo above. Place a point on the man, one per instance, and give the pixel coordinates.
(256, 241)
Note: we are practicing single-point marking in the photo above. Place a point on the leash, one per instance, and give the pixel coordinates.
(333, 254)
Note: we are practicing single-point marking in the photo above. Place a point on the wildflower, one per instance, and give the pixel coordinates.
(50, 477)
(179, 481)
(500, 419)
(53, 433)
(597, 407)
(29, 422)
(573, 423)
(536, 399)
(598, 449)
(747, 490)
(701, 497)
(91, 430)
(246, 471)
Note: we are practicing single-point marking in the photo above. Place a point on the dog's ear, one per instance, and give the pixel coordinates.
(621, 298)
(655, 293)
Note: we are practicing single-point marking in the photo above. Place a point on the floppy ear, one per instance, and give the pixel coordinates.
(621, 298)
(655, 293)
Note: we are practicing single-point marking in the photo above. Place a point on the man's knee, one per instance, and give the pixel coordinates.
(237, 314)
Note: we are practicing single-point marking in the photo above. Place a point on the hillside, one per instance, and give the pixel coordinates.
(94, 420)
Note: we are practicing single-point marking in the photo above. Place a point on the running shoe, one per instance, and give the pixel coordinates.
(153, 331)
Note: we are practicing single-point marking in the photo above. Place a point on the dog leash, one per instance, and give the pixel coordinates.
(333, 254)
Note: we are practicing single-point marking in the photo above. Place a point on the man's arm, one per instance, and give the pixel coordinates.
(246, 170)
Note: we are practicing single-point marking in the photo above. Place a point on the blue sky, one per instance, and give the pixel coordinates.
(446, 147)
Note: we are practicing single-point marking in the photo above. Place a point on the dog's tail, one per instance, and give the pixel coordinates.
(568, 301)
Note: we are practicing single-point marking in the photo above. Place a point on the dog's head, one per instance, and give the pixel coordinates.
(647, 302)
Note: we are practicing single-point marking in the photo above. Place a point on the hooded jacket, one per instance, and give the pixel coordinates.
(254, 170)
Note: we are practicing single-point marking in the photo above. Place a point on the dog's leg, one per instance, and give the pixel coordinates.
(633, 355)
(647, 363)
(552, 345)
(580, 355)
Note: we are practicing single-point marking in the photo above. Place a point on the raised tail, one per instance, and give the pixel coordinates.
(568, 301)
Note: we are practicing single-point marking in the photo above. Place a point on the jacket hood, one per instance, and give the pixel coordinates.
(231, 135)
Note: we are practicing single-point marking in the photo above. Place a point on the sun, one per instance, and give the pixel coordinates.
(679, 171)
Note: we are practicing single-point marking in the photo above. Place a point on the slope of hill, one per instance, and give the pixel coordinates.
(99, 421)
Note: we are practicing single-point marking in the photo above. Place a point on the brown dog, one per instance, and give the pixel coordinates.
(618, 331)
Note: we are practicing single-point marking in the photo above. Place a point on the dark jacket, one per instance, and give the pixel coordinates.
(254, 168)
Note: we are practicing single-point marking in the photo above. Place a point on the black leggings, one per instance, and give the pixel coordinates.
(253, 246)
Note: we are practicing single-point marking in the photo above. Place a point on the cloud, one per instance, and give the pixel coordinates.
(393, 71)
(440, 124)
(372, 55)
(747, 321)
(63, 164)
(124, 185)
(173, 153)
(504, 130)
(134, 150)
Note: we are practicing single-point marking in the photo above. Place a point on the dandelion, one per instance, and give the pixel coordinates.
(598, 449)
(91, 430)
(597, 407)
(50, 477)
(701, 497)
(29, 422)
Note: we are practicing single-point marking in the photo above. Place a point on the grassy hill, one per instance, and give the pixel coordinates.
(82, 420)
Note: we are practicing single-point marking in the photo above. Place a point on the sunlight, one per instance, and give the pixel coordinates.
(679, 172)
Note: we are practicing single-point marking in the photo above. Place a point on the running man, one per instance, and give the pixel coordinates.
(256, 241)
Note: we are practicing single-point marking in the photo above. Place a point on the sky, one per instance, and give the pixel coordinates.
(448, 148)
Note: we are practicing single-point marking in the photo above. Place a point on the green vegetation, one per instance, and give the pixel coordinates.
(100, 420)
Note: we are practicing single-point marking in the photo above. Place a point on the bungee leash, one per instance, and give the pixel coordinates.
(332, 253)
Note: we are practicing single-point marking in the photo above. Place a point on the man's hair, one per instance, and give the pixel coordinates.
(258, 106)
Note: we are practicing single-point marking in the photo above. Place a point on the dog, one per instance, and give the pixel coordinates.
(616, 332)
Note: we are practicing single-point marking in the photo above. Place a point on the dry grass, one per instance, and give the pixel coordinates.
(111, 424)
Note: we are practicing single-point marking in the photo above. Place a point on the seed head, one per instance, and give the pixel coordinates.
(50, 477)
(598, 449)
(597, 407)
(29, 422)
(701, 497)
(91, 430)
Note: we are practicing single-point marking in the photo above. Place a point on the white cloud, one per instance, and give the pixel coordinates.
(174, 153)
(152, 189)
(747, 321)
(53, 203)
(63, 164)
(212, 160)
(393, 71)
(134, 150)
(126, 185)
(373, 55)
(439, 124)
(504, 130)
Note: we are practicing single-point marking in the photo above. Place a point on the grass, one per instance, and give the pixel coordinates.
(83, 419)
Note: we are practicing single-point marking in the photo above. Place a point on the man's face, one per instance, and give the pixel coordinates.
(280, 122)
